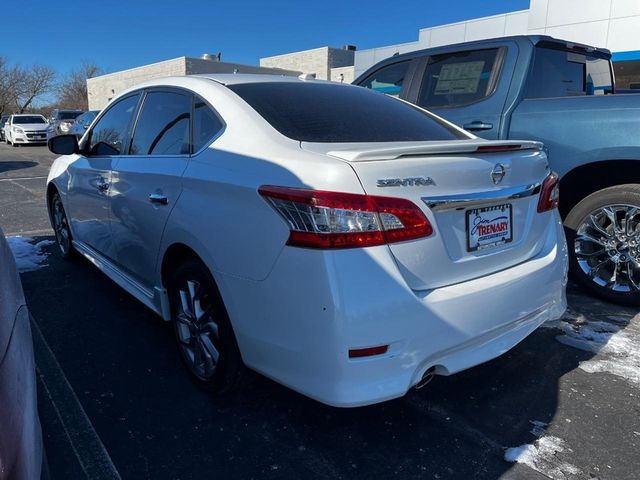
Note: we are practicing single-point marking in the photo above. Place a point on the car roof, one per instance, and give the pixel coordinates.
(225, 79)
(238, 78)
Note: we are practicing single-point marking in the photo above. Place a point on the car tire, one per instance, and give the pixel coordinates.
(603, 236)
(204, 336)
(61, 228)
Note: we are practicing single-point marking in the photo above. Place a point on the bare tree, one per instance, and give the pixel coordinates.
(31, 84)
(20, 87)
(9, 79)
(72, 92)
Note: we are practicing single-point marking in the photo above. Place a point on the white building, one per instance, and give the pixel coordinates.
(100, 90)
(612, 24)
(326, 63)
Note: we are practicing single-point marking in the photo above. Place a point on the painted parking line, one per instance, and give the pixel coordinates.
(46, 232)
(21, 179)
(87, 446)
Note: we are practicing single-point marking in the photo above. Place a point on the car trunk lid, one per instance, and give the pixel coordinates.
(481, 198)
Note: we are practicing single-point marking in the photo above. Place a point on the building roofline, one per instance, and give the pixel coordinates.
(461, 22)
(185, 59)
(285, 71)
(326, 47)
(395, 45)
(138, 67)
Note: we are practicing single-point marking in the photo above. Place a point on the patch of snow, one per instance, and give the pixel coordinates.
(29, 256)
(615, 339)
(542, 457)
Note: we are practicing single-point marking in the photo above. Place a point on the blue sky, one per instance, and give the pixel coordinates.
(127, 33)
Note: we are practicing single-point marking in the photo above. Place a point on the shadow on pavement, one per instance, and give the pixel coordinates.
(18, 165)
(122, 363)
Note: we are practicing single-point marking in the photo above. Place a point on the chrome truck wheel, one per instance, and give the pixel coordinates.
(603, 234)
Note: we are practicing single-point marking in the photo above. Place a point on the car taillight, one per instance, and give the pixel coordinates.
(321, 219)
(497, 148)
(550, 193)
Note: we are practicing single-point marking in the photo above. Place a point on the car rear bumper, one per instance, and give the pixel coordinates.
(352, 299)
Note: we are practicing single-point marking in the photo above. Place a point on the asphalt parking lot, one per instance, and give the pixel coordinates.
(115, 401)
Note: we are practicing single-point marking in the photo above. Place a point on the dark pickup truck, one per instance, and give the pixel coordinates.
(562, 94)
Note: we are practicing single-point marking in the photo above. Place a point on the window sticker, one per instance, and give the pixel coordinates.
(457, 78)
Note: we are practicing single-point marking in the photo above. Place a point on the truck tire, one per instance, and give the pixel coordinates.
(603, 236)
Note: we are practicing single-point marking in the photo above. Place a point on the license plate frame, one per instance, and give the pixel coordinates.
(493, 217)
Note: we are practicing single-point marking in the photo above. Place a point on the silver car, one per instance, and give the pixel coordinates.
(3, 120)
(21, 450)
(61, 122)
(82, 123)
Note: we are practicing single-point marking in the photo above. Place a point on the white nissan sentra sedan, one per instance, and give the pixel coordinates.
(340, 241)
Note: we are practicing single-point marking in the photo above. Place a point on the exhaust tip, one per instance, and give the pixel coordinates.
(426, 378)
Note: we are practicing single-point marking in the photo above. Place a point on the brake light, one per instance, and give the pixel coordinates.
(550, 193)
(498, 148)
(321, 219)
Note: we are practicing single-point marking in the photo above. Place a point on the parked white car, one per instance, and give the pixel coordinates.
(340, 241)
(25, 128)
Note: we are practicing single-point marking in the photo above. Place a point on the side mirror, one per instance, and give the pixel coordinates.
(63, 144)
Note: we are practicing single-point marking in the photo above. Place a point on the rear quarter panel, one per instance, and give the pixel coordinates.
(221, 216)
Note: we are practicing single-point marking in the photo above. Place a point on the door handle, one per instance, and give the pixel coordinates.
(158, 198)
(102, 186)
(477, 125)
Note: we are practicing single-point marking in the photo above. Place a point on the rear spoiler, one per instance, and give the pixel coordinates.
(557, 44)
(432, 148)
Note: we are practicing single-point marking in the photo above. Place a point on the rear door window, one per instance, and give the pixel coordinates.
(206, 124)
(388, 79)
(460, 78)
(562, 73)
(163, 125)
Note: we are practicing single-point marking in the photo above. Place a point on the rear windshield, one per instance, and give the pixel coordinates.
(324, 112)
(68, 115)
(29, 119)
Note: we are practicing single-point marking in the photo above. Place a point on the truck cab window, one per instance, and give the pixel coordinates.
(562, 73)
(388, 79)
(460, 78)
